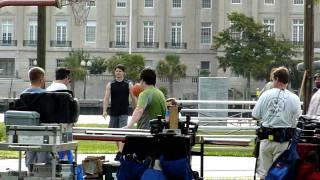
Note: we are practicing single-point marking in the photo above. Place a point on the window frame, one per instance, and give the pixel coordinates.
(7, 29)
(268, 3)
(60, 62)
(204, 3)
(295, 2)
(91, 24)
(203, 63)
(31, 60)
(176, 33)
(297, 26)
(202, 36)
(91, 3)
(149, 34)
(145, 3)
(236, 35)
(120, 28)
(175, 4)
(33, 30)
(232, 2)
(60, 33)
(267, 22)
(121, 3)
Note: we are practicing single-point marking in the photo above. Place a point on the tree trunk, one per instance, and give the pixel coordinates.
(170, 86)
(72, 86)
(248, 91)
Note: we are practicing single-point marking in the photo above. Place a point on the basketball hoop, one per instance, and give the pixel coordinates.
(80, 10)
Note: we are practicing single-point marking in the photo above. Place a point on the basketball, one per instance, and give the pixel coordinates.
(137, 89)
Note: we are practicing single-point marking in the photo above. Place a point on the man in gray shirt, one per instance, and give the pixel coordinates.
(278, 109)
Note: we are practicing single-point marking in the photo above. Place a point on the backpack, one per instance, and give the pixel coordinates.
(286, 165)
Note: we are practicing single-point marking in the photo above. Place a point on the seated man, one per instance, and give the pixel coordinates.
(37, 80)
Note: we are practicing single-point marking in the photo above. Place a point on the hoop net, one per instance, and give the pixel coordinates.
(80, 11)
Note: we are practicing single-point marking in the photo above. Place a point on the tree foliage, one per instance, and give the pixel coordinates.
(98, 66)
(255, 52)
(134, 64)
(171, 68)
(72, 62)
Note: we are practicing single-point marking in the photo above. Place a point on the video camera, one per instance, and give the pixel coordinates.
(160, 125)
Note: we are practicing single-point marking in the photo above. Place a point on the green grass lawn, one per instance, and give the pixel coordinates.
(107, 147)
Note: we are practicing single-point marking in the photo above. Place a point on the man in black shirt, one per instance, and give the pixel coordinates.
(118, 92)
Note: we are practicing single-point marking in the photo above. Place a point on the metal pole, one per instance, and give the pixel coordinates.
(198, 73)
(41, 45)
(308, 51)
(85, 85)
(130, 27)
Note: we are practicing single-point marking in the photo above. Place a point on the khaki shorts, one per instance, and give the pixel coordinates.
(268, 153)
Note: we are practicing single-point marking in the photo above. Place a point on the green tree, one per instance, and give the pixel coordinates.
(72, 62)
(134, 64)
(98, 66)
(164, 90)
(249, 49)
(171, 68)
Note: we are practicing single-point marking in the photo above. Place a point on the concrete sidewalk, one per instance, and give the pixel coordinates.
(214, 167)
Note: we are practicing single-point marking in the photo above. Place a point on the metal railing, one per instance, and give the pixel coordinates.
(300, 44)
(233, 122)
(61, 43)
(32, 43)
(173, 45)
(118, 44)
(148, 44)
(8, 42)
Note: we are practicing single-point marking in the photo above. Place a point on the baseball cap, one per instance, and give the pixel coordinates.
(316, 75)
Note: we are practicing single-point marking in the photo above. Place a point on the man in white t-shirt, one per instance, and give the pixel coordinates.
(61, 83)
(62, 80)
(278, 109)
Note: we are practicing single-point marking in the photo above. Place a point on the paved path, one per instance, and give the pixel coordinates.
(214, 167)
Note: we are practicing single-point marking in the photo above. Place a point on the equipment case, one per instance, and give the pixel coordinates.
(36, 134)
(30, 118)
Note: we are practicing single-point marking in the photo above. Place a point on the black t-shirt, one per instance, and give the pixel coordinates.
(119, 98)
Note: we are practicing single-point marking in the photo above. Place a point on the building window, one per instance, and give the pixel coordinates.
(148, 32)
(206, 4)
(235, 1)
(269, 2)
(205, 33)
(270, 26)
(148, 3)
(33, 30)
(236, 35)
(176, 33)
(6, 67)
(121, 3)
(298, 2)
(60, 63)
(205, 65)
(297, 30)
(32, 62)
(7, 30)
(61, 34)
(91, 3)
(91, 31)
(121, 27)
(148, 63)
(176, 3)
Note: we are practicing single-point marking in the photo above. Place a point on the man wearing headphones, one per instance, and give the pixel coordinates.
(278, 110)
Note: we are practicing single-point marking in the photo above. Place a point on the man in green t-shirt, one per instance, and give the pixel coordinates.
(151, 101)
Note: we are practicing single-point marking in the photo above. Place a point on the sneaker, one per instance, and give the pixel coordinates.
(118, 156)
